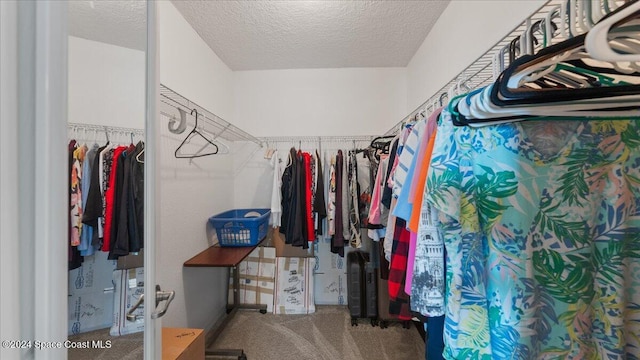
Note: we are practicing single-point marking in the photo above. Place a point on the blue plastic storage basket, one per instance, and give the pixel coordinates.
(241, 227)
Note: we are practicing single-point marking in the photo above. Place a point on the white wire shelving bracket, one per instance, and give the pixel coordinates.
(481, 72)
(211, 123)
(105, 130)
(308, 139)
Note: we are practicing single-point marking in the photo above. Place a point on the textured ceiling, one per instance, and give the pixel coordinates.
(257, 35)
(121, 23)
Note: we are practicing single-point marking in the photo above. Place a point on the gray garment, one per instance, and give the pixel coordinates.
(427, 285)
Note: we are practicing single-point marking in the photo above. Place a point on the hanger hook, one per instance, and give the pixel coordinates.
(196, 112)
(442, 97)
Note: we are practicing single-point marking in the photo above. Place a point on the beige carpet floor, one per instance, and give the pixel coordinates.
(126, 347)
(325, 335)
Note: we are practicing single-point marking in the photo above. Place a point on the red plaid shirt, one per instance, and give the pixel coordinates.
(399, 300)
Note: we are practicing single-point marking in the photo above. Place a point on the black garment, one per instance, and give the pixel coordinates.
(387, 191)
(337, 241)
(135, 202)
(319, 204)
(292, 202)
(286, 192)
(119, 243)
(299, 237)
(93, 207)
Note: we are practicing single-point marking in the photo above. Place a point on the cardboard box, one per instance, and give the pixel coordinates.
(182, 344)
(294, 286)
(287, 250)
(90, 300)
(131, 261)
(257, 278)
(129, 286)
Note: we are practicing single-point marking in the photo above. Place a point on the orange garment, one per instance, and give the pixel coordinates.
(422, 178)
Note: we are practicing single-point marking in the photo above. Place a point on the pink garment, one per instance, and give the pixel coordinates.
(411, 258)
(374, 209)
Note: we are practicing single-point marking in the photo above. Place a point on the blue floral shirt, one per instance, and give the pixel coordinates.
(541, 223)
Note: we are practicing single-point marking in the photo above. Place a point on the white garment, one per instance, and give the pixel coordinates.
(276, 195)
(405, 159)
(391, 228)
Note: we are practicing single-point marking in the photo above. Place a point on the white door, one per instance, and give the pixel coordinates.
(33, 133)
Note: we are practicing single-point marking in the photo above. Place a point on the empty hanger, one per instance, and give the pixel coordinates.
(195, 133)
(597, 42)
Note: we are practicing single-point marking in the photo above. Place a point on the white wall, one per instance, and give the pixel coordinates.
(190, 67)
(191, 192)
(464, 31)
(319, 102)
(106, 84)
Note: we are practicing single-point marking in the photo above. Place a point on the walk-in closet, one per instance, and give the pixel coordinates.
(322, 180)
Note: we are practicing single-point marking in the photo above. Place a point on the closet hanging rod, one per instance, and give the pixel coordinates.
(482, 66)
(293, 139)
(103, 128)
(211, 122)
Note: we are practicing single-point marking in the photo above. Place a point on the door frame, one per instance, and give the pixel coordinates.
(153, 327)
(33, 101)
(33, 145)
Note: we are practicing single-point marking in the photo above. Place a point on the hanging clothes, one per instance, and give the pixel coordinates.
(354, 202)
(399, 301)
(74, 257)
(88, 231)
(346, 199)
(331, 199)
(93, 209)
(308, 191)
(319, 206)
(540, 223)
(76, 194)
(111, 158)
(293, 220)
(135, 200)
(338, 239)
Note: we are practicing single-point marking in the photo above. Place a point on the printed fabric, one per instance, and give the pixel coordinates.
(76, 194)
(541, 223)
(331, 203)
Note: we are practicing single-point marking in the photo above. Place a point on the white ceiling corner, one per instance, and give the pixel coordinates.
(260, 35)
(117, 22)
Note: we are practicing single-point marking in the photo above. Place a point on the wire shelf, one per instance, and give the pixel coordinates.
(212, 123)
(483, 71)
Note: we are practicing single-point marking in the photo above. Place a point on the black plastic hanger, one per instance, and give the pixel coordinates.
(194, 133)
(381, 145)
(502, 95)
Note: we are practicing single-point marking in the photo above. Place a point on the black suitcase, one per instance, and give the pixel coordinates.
(362, 289)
